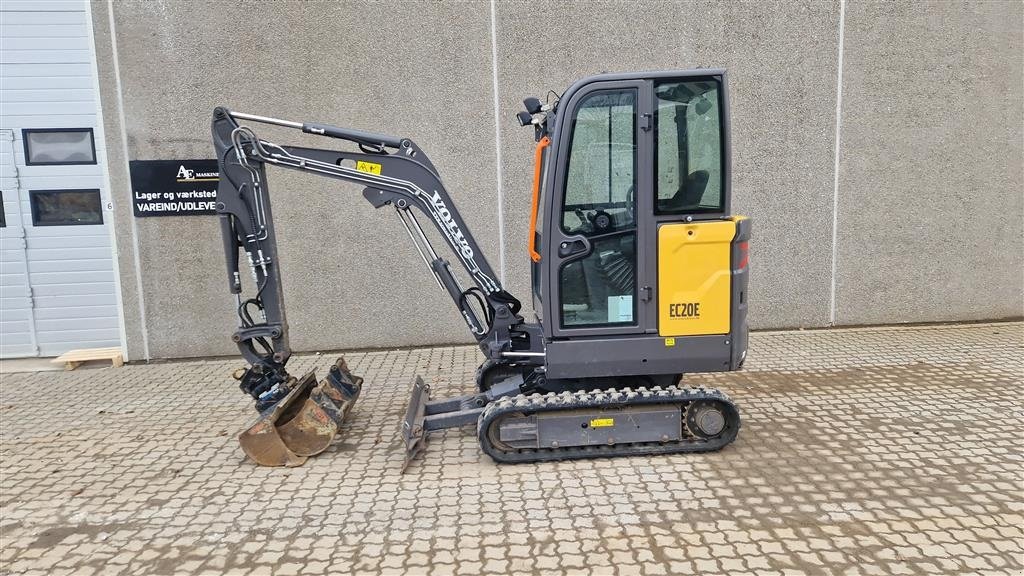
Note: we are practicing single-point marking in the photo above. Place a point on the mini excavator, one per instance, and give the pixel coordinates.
(639, 275)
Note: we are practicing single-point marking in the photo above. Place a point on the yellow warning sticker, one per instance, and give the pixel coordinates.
(669, 342)
(602, 422)
(368, 167)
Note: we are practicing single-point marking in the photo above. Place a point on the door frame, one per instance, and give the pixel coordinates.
(15, 239)
(554, 236)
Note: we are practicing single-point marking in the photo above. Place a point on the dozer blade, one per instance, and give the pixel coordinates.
(305, 421)
(411, 429)
(423, 416)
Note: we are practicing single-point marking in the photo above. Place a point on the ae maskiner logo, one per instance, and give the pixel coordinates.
(185, 174)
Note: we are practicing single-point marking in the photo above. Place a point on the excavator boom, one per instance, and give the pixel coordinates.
(394, 172)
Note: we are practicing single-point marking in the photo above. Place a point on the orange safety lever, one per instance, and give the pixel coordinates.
(538, 157)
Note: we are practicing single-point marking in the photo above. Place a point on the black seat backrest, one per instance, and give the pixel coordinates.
(689, 194)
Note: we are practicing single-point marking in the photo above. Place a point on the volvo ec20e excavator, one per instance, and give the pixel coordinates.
(639, 275)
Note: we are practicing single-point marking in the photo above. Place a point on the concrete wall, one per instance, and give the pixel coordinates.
(929, 177)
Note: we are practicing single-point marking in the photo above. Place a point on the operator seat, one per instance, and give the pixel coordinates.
(689, 194)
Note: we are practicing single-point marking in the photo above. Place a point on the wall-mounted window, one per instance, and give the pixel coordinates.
(65, 207)
(58, 146)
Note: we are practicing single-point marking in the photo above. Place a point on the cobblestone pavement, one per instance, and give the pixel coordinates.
(871, 451)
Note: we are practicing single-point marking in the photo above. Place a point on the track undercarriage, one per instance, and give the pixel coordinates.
(567, 424)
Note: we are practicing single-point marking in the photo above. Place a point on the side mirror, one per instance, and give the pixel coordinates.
(532, 104)
(702, 106)
(525, 118)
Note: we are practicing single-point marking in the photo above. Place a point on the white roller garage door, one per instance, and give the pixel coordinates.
(56, 271)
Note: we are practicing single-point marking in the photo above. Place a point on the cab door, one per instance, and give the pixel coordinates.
(599, 213)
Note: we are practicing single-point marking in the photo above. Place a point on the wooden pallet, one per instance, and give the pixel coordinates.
(75, 358)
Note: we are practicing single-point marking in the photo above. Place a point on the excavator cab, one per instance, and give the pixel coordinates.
(638, 274)
(637, 246)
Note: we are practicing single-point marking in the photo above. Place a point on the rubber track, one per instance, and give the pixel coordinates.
(552, 402)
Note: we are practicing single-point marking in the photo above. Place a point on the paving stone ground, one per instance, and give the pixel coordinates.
(871, 451)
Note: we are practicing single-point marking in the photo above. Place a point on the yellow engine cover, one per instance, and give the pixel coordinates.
(694, 278)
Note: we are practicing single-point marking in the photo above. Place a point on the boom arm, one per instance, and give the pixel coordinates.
(394, 172)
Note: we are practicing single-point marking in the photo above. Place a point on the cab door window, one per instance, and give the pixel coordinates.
(602, 162)
(599, 289)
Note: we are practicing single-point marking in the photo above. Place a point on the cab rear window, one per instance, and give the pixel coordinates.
(688, 147)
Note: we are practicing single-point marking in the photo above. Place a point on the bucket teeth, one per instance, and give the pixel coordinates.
(305, 421)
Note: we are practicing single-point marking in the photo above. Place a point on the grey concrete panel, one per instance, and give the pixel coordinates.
(930, 207)
(117, 169)
(350, 277)
(781, 58)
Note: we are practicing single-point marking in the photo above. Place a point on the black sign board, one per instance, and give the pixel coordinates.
(174, 187)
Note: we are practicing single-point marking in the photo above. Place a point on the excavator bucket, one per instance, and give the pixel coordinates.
(305, 421)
